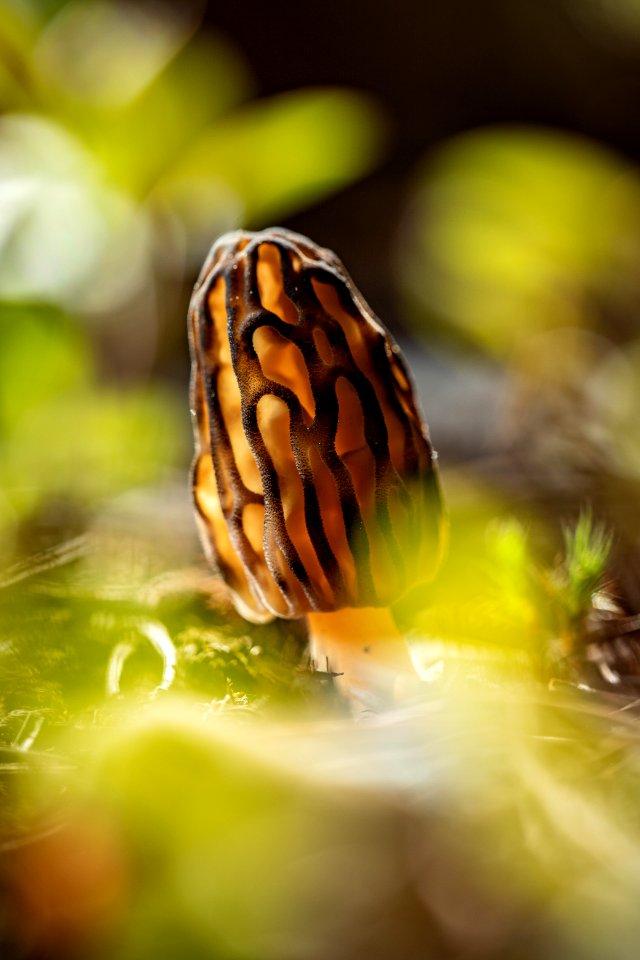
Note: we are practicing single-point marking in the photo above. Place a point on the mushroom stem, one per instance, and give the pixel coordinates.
(366, 651)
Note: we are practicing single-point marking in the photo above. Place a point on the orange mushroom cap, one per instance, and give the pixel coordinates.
(314, 480)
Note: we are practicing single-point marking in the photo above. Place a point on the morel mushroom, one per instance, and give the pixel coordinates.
(314, 481)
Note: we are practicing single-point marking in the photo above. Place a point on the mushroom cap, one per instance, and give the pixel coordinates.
(314, 480)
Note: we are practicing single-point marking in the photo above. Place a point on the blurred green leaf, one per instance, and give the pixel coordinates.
(141, 141)
(510, 566)
(516, 230)
(280, 153)
(106, 53)
(91, 444)
(65, 235)
(42, 355)
(18, 30)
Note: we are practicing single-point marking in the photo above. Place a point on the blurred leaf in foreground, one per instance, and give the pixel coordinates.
(489, 822)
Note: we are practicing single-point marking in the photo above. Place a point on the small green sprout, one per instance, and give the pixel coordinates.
(587, 550)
